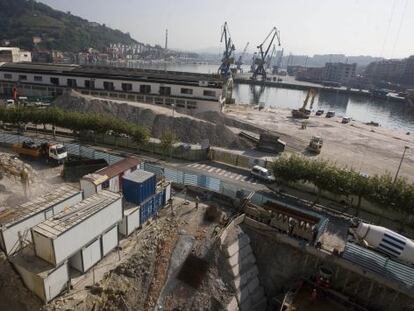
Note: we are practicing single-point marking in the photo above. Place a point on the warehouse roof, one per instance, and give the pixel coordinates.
(11, 216)
(77, 213)
(111, 72)
(138, 176)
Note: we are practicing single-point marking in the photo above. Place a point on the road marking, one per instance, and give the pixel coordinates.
(194, 165)
(211, 169)
(221, 172)
(238, 177)
(203, 166)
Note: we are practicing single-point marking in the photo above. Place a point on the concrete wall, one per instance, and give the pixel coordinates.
(281, 265)
(88, 188)
(130, 222)
(91, 254)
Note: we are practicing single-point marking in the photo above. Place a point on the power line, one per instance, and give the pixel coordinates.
(388, 28)
(397, 37)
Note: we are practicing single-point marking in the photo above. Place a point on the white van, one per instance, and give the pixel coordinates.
(262, 173)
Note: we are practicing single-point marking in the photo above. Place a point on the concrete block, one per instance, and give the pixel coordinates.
(260, 306)
(246, 305)
(253, 284)
(250, 272)
(245, 251)
(242, 295)
(235, 259)
(248, 260)
(235, 271)
(241, 256)
(234, 247)
(257, 295)
(233, 305)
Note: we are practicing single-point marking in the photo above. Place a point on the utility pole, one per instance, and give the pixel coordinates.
(399, 166)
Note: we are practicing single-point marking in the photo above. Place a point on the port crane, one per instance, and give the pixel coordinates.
(228, 56)
(253, 65)
(239, 62)
(278, 63)
(270, 57)
(260, 60)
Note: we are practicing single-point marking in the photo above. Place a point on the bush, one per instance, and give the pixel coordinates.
(325, 176)
(75, 121)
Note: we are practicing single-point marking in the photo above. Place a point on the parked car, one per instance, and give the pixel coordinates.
(262, 173)
(346, 120)
(320, 112)
(330, 114)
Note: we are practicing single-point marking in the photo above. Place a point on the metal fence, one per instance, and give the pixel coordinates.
(73, 149)
(380, 264)
(234, 159)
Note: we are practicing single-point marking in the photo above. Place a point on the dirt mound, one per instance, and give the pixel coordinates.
(156, 119)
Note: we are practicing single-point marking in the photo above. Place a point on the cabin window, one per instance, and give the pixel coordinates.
(109, 86)
(54, 81)
(209, 93)
(7, 76)
(165, 90)
(145, 89)
(38, 78)
(180, 103)
(22, 77)
(186, 91)
(191, 104)
(127, 87)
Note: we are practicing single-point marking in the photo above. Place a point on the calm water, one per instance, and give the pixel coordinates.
(388, 114)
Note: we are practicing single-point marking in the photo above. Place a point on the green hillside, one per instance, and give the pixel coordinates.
(20, 20)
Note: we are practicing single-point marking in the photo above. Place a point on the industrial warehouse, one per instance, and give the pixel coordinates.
(71, 228)
(181, 90)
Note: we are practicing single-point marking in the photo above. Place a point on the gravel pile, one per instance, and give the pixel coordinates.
(156, 119)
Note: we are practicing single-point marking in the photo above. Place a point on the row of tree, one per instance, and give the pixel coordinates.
(75, 121)
(381, 190)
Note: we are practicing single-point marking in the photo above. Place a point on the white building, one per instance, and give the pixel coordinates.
(14, 55)
(182, 90)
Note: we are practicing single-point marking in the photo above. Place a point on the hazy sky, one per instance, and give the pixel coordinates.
(353, 27)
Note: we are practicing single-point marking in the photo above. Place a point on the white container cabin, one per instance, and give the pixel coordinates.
(62, 236)
(15, 224)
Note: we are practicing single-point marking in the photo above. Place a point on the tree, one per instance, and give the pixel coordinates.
(168, 139)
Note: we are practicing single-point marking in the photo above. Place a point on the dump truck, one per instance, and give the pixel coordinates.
(49, 151)
(271, 143)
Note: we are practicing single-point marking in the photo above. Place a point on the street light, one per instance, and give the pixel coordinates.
(173, 109)
(402, 159)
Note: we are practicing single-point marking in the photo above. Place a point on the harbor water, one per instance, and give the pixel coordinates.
(360, 108)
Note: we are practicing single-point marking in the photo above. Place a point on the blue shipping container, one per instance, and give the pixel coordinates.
(138, 186)
(147, 210)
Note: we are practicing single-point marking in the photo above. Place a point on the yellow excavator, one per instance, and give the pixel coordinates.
(10, 166)
(303, 112)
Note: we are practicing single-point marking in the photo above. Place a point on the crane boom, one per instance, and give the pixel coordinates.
(240, 60)
(229, 48)
(262, 55)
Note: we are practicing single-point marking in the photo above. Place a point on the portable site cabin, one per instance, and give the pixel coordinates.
(108, 178)
(15, 224)
(41, 277)
(77, 229)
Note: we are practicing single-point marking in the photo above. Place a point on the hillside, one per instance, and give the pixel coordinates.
(20, 20)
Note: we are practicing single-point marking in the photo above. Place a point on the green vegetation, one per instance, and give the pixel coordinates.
(21, 20)
(168, 139)
(380, 190)
(75, 121)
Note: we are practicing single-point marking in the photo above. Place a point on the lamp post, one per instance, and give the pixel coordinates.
(173, 109)
(399, 166)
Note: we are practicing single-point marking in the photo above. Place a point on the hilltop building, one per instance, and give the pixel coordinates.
(14, 55)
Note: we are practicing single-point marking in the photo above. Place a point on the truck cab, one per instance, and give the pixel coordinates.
(57, 152)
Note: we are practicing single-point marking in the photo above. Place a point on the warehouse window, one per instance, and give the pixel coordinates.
(54, 81)
(38, 78)
(180, 103)
(22, 77)
(145, 89)
(187, 91)
(209, 93)
(126, 87)
(7, 76)
(109, 86)
(191, 104)
(165, 90)
(89, 84)
(71, 83)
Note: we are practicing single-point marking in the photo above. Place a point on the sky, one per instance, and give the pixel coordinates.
(307, 27)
